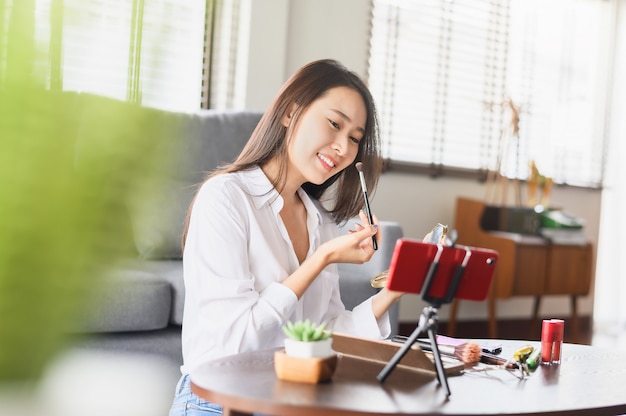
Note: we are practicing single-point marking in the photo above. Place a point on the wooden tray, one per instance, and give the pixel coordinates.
(382, 351)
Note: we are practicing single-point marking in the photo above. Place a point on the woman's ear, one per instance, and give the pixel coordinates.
(286, 120)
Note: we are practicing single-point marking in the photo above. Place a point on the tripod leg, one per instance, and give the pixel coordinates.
(441, 373)
(401, 352)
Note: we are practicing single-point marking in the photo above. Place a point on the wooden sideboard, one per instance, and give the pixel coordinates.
(528, 265)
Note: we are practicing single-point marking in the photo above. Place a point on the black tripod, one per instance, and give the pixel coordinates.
(429, 320)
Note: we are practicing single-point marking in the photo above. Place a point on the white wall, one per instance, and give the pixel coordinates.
(286, 34)
(339, 29)
(267, 51)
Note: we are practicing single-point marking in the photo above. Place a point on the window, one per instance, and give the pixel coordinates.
(229, 54)
(144, 51)
(449, 78)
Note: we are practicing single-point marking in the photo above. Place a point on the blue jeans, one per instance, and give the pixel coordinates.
(186, 403)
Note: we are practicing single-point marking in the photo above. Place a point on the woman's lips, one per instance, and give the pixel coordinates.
(327, 162)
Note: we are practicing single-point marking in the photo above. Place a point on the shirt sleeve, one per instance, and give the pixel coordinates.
(362, 322)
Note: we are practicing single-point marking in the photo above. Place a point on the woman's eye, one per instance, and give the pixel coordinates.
(336, 126)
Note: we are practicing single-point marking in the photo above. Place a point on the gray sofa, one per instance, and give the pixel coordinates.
(140, 307)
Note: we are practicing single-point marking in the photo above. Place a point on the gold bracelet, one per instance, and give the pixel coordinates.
(380, 280)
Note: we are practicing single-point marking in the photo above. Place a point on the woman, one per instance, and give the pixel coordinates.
(260, 248)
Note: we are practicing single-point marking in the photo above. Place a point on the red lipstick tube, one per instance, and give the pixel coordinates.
(551, 341)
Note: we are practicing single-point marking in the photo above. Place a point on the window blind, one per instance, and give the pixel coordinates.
(172, 53)
(229, 54)
(442, 73)
(150, 52)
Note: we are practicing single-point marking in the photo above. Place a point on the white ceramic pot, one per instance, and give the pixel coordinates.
(317, 349)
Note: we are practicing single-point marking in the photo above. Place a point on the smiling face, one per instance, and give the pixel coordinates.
(326, 138)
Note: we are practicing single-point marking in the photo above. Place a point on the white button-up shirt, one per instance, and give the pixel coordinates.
(236, 254)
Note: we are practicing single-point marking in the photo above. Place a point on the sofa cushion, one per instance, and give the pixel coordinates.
(130, 300)
(206, 139)
(158, 222)
(170, 271)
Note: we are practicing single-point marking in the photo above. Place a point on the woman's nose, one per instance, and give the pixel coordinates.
(340, 145)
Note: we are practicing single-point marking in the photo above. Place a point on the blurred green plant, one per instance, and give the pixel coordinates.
(69, 164)
(306, 331)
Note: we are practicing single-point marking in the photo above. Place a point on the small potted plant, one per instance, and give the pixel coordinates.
(306, 339)
(308, 356)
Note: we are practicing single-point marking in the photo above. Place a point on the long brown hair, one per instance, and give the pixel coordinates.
(270, 138)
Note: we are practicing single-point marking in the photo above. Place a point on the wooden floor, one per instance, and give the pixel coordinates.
(509, 329)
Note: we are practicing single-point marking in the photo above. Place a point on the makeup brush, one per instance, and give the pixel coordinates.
(489, 358)
(368, 210)
(467, 352)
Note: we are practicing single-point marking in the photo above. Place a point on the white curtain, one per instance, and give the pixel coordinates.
(610, 288)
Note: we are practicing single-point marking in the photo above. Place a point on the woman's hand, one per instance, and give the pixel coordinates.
(356, 246)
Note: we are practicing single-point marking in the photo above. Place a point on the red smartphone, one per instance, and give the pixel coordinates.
(412, 260)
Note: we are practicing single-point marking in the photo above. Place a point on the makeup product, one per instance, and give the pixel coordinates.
(368, 209)
(551, 341)
(533, 361)
(488, 358)
(491, 348)
(521, 357)
(466, 352)
(523, 353)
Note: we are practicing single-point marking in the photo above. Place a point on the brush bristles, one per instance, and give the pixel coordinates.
(359, 167)
(468, 353)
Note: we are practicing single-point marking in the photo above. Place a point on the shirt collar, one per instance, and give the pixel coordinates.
(259, 186)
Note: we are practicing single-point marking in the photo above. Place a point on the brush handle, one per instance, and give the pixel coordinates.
(488, 358)
(425, 345)
(485, 357)
(444, 349)
(368, 209)
(370, 217)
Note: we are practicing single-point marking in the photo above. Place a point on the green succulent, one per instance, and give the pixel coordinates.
(306, 331)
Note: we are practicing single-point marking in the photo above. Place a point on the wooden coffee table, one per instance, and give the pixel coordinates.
(589, 381)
